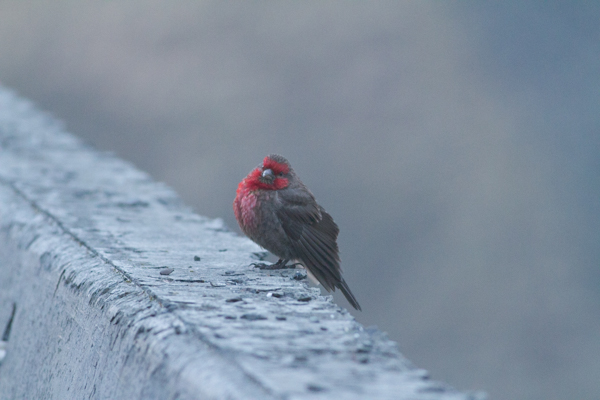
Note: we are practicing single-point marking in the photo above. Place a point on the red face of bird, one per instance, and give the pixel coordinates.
(273, 174)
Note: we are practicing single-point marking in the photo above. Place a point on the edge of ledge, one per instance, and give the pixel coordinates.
(83, 238)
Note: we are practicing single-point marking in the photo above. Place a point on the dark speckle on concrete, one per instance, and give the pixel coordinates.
(234, 300)
(171, 306)
(363, 359)
(196, 258)
(313, 387)
(133, 204)
(365, 347)
(253, 317)
(233, 273)
(301, 358)
(299, 275)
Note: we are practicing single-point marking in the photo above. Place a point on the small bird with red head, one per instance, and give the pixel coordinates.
(280, 214)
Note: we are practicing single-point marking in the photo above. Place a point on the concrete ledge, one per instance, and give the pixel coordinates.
(84, 238)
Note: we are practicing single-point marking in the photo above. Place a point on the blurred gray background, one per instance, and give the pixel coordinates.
(457, 145)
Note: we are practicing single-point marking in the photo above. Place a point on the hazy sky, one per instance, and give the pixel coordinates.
(456, 144)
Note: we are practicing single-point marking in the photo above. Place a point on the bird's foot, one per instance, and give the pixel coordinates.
(281, 264)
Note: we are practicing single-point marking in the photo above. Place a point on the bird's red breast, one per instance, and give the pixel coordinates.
(243, 206)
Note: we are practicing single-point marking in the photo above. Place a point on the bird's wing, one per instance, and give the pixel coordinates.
(297, 210)
(313, 234)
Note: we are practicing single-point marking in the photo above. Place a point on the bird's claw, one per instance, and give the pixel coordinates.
(264, 266)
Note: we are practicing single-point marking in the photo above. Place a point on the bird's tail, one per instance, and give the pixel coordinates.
(343, 286)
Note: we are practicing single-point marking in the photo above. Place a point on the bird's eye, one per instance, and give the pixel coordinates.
(280, 174)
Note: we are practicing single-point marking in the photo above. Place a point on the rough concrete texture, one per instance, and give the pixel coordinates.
(84, 237)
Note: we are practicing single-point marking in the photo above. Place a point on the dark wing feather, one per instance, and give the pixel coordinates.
(313, 235)
(349, 295)
(299, 209)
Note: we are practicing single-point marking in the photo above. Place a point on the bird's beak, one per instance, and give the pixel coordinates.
(267, 174)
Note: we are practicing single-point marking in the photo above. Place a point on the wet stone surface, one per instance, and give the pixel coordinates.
(123, 292)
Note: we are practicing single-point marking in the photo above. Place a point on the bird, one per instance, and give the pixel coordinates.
(279, 213)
